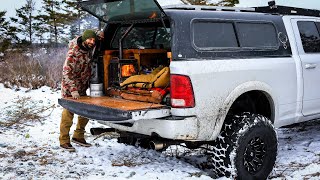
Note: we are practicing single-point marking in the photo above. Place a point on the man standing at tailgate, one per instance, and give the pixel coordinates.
(75, 81)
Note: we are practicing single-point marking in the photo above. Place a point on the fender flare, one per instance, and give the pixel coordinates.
(237, 92)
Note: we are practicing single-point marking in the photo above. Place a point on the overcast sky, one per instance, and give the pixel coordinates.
(11, 5)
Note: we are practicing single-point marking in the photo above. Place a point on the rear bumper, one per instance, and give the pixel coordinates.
(185, 129)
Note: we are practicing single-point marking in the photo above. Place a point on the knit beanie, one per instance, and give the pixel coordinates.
(87, 34)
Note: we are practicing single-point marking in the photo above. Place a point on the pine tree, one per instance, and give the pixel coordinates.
(41, 29)
(3, 30)
(7, 33)
(79, 19)
(25, 20)
(75, 15)
(3, 23)
(54, 18)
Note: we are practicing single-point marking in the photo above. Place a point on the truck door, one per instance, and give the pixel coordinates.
(307, 35)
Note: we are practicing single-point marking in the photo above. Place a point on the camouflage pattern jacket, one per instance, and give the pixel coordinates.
(76, 69)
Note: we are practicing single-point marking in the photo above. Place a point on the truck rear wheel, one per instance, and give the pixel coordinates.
(245, 149)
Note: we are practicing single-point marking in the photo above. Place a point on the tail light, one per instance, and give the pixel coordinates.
(181, 91)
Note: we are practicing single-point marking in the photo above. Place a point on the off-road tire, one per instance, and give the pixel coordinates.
(246, 148)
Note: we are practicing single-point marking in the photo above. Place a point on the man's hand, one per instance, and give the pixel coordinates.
(75, 95)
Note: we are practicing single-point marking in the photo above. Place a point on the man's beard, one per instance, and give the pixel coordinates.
(88, 45)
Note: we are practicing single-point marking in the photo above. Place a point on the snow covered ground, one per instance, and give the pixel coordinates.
(32, 151)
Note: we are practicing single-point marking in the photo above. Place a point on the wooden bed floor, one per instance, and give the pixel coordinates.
(117, 103)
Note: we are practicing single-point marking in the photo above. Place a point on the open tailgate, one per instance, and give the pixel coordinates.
(113, 11)
(114, 109)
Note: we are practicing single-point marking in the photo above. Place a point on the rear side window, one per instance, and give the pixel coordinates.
(143, 37)
(219, 35)
(214, 34)
(310, 37)
(257, 35)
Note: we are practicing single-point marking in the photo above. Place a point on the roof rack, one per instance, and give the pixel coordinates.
(209, 8)
(271, 9)
(286, 10)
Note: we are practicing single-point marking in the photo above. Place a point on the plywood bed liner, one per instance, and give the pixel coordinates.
(117, 103)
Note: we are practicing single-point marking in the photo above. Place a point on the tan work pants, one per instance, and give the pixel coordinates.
(66, 123)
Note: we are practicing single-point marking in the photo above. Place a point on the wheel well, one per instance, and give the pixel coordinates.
(257, 102)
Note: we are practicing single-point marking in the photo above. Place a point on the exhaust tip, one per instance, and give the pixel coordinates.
(156, 145)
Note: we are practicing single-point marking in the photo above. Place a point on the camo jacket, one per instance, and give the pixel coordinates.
(76, 69)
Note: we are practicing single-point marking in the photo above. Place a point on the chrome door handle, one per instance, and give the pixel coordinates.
(311, 66)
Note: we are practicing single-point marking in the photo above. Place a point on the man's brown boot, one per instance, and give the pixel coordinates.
(81, 142)
(68, 147)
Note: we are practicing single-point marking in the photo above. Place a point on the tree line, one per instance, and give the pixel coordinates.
(56, 22)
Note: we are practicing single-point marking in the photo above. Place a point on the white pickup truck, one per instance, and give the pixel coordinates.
(235, 74)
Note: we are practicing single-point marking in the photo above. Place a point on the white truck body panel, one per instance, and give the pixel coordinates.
(235, 77)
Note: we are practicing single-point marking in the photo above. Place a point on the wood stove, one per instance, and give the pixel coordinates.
(120, 70)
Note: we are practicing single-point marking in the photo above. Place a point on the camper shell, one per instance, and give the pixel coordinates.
(177, 24)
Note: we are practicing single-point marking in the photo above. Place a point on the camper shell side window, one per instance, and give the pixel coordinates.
(219, 35)
(143, 36)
